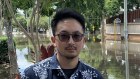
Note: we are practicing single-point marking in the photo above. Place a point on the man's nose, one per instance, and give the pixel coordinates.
(71, 40)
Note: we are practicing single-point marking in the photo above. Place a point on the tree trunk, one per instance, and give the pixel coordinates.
(32, 23)
(1, 18)
(37, 24)
(31, 37)
(11, 50)
(103, 34)
(9, 6)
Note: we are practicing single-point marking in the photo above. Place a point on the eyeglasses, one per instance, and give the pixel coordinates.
(64, 37)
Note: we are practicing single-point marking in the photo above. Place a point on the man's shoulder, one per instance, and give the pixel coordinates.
(42, 63)
(89, 70)
(37, 70)
(87, 66)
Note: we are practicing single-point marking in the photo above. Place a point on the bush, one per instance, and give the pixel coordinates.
(3, 50)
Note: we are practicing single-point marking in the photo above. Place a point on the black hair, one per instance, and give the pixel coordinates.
(65, 14)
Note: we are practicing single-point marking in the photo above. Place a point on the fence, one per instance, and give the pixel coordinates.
(133, 16)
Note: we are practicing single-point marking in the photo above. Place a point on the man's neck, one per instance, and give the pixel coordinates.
(66, 63)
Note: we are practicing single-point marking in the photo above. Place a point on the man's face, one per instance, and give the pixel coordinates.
(69, 38)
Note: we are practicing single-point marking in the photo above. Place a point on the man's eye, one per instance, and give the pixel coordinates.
(76, 35)
(64, 35)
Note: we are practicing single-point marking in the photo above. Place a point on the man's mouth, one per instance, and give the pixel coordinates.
(70, 48)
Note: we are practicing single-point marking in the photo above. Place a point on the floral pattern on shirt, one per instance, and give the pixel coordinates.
(45, 68)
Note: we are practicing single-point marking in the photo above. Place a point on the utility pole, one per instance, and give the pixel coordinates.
(126, 40)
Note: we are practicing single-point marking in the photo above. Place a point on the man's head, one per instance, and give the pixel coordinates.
(68, 27)
(65, 14)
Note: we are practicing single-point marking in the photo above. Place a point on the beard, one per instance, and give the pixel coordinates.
(70, 57)
(67, 55)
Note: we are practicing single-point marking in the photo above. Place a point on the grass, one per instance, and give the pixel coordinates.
(3, 37)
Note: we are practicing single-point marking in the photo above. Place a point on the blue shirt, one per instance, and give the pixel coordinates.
(50, 69)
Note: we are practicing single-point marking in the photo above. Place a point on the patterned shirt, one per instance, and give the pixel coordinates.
(50, 69)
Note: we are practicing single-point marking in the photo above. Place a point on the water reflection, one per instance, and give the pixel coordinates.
(112, 62)
(133, 56)
(21, 59)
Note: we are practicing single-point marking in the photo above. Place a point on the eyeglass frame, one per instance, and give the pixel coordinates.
(70, 35)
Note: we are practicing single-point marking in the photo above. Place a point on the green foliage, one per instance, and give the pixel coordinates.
(23, 4)
(5, 11)
(131, 4)
(3, 50)
(112, 7)
(47, 7)
(28, 12)
(46, 11)
(3, 38)
(91, 9)
(115, 69)
(22, 21)
(43, 23)
(92, 54)
(4, 71)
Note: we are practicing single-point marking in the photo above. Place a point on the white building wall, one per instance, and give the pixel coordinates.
(133, 28)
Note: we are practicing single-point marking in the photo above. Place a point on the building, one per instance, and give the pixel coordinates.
(115, 30)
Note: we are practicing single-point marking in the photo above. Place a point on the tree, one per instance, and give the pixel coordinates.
(43, 22)
(0, 18)
(34, 21)
(112, 7)
(22, 21)
(91, 9)
(8, 16)
(11, 47)
(132, 4)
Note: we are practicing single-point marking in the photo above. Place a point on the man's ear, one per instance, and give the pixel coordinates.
(85, 39)
(53, 40)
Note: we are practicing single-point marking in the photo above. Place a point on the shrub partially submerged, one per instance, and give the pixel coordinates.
(3, 50)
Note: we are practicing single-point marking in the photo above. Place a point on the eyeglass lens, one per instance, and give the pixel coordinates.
(64, 37)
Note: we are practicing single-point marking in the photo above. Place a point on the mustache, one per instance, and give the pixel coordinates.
(71, 47)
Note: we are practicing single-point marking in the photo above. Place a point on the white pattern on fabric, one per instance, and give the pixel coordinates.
(43, 69)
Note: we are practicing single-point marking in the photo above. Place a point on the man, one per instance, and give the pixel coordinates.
(68, 28)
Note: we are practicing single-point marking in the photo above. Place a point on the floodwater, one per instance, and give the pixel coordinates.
(22, 59)
(112, 60)
(109, 60)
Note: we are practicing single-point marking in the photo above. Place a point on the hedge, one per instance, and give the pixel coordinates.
(3, 50)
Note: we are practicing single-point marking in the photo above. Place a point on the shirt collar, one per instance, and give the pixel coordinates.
(54, 64)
